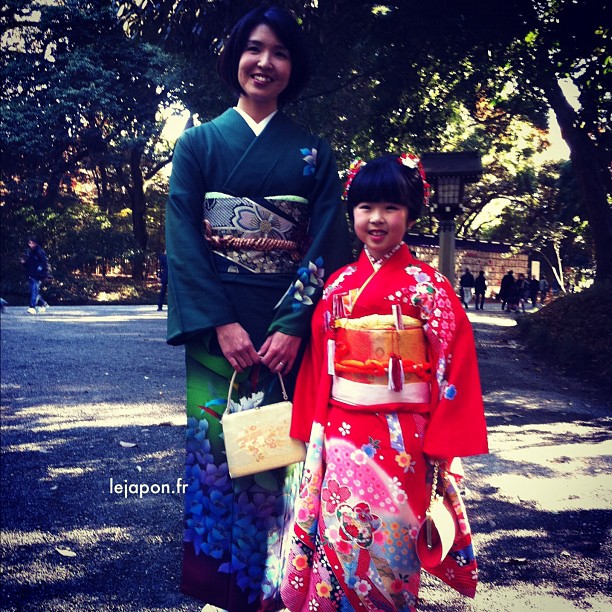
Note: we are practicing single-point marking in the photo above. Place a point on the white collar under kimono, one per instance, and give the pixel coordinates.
(258, 128)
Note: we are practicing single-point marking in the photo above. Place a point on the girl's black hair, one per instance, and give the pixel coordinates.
(386, 179)
(288, 31)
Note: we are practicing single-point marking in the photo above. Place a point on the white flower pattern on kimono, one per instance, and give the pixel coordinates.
(310, 157)
(338, 282)
(257, 222)
(308, 283)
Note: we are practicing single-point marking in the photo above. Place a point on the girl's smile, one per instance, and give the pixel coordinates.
(380, 226)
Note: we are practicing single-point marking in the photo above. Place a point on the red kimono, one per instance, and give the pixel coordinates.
(368, 473)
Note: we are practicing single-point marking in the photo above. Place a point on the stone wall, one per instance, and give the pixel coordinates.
(494, 258)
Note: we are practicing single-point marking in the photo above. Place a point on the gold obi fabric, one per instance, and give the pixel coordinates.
(364, 350)
(260, 235)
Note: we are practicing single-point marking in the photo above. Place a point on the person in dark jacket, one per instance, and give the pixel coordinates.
(506, 288)
(480, 288)
(521, 293)
(534, 288)
(467, 287)
(37, 269)
(543, 289)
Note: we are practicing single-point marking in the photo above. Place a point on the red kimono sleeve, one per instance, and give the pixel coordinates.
(313, 383)
(457, 426)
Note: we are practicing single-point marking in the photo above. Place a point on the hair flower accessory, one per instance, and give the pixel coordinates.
(410, 160)
(351, 173)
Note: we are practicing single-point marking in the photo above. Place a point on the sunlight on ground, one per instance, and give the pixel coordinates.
(542, 597)
(98, 313)
(557, 466)
(56, 418)
(557, 493)
(54, 472)
(96, 318)
(66, 538)
(48, 565)
(498, 320)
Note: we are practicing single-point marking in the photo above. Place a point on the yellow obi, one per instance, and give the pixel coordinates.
(366, 348)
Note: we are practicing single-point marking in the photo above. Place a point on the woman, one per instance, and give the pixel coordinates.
(254, 221)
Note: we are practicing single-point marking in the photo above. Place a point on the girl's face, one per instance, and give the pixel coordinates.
(380, 225)
(264, 68)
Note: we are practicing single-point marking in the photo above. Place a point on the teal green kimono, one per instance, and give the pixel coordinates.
(254, 226)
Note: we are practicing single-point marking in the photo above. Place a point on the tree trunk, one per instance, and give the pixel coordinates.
(139, 209)
(589, 176)
(50, 193)
(556, 266)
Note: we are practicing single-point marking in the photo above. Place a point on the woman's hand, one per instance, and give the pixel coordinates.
(279, 352)
(237, 346)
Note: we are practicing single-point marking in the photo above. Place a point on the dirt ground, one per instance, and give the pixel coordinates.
(92, 414)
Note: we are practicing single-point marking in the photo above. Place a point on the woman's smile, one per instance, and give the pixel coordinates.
(263, 72)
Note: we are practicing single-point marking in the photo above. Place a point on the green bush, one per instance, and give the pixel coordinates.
(575, 333)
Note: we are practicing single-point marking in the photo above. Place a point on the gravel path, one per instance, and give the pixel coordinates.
(92, 413)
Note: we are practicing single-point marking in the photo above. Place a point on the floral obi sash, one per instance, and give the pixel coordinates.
(260, 235)
(375, 363)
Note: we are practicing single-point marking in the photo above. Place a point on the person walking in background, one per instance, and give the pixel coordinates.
(380, 402)
(467, 287)
(506, 288)
(534, 288)
(162, 274)
(522, 291)
(255, 223)
(480, 288)
(543, 289)
(37, 269)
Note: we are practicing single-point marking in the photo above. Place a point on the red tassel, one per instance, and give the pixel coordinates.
(396, 373)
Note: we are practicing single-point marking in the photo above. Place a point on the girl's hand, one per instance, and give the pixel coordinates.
(237, 346)
(279, 352)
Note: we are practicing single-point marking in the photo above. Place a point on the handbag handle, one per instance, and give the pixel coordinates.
(231, 386)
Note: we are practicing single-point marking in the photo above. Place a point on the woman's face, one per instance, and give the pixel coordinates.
(380, 225)
(264, 67)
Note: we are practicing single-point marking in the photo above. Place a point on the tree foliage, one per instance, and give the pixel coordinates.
(392, 75)
(85, 82)
(82, 102)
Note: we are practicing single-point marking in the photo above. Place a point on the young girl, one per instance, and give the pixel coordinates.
(388, 387)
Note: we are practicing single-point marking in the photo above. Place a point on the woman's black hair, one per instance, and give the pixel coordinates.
(288, 31)
(386, 179)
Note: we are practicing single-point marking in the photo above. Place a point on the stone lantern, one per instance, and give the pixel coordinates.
(447, 174)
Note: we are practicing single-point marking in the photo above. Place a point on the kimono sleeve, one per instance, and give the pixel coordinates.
(197, 300)
(313, 384)
(457, 425)
(329, 248)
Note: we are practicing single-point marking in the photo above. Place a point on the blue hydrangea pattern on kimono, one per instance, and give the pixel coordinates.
(240, 522)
